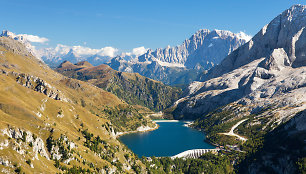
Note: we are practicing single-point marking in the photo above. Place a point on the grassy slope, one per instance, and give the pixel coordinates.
(131, 87)
(85, 110)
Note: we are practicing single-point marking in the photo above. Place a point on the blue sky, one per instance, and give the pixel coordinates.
(126, 24)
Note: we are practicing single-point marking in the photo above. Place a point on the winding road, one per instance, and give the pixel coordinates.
(231, 132)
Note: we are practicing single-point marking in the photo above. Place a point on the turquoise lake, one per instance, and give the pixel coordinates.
(169, 139)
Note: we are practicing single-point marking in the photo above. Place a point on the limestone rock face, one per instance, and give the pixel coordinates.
(286, 31)
(269, 70)
(205, 48)
(37, 142)
(276, 61)
(39, 85)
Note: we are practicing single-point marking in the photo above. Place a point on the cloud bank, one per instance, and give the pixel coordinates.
(139, 51)
(33, 38)
(63, 50)
(85, 51)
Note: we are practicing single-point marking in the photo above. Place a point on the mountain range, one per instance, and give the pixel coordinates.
(182, 64)
(172, 65)
(250, 99)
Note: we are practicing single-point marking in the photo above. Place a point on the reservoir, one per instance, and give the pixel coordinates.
(169, 139)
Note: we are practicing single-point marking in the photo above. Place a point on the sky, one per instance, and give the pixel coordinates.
(128, 24)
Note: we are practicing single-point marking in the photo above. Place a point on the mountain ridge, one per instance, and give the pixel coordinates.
(277, 39)
(263, 84)
(131, 87)
(49, 122)
(184, 63)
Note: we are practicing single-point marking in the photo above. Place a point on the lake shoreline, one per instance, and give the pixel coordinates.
(139, 129)
(162, 139)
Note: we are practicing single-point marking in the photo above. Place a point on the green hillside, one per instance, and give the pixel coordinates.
(130, 87)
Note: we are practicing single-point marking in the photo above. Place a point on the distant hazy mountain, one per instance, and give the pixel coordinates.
(182, 64)
(54, 56)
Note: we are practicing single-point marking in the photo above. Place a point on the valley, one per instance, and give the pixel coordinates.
(221, 102)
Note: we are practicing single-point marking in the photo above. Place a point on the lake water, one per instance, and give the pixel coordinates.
(169, 139)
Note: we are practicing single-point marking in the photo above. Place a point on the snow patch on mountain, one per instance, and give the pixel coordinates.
(244, 36)
(167, 64)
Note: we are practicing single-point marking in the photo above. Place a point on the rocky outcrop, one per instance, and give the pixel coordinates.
(39, 85)
(36, 142)
(60, 149)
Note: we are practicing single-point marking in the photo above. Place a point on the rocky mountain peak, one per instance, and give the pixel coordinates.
(7, 33)
(14, 45)
(286, 31)
(84, 64)
(201, 48)
(182, 64)
(20, 38)
(66, 64)
(269, 70)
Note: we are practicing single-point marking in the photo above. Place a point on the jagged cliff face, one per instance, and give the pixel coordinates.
(267, 71)
(286, 31)
(203, 49)
(182, 64)
(130, 87)
(262, 83)
(50, 122)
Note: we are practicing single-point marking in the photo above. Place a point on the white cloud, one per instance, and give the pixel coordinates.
(33, 38)
(61, 49)
(86, 51)
(139, 51)
(108, 51)
(126, 54)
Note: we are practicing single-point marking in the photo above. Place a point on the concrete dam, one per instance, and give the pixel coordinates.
(194, 153)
